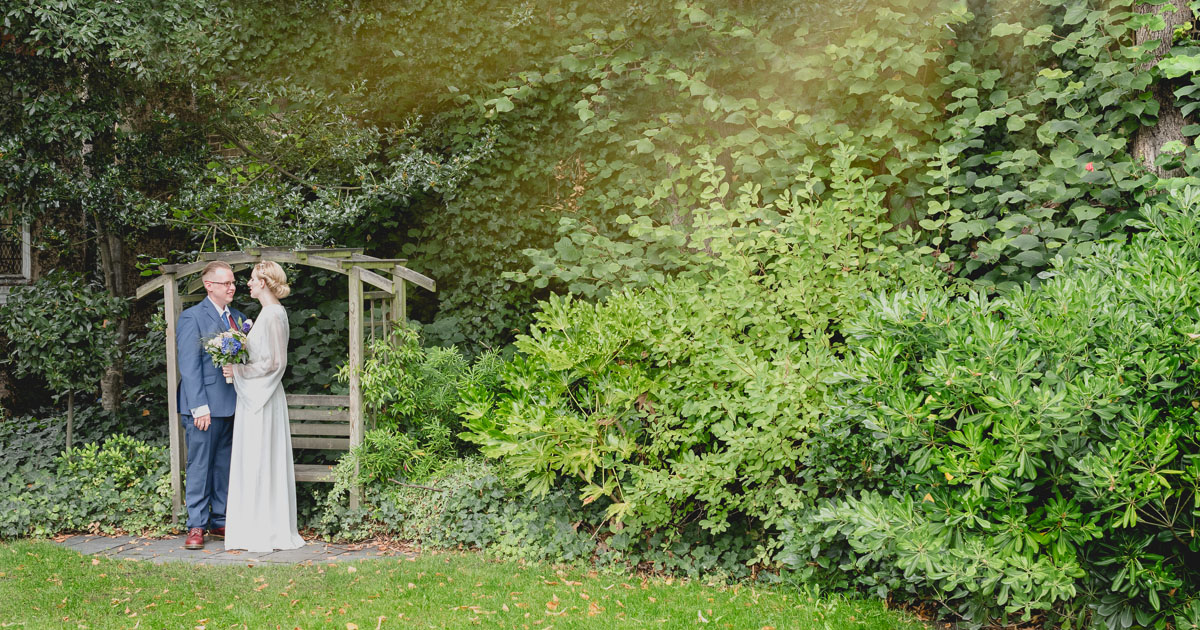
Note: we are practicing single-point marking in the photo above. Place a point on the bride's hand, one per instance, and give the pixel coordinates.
(227, 370)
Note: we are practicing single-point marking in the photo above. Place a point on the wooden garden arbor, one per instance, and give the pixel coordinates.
(317, 421)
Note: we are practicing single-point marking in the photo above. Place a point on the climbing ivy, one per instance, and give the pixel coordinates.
(1000, 130)
(1034, 164)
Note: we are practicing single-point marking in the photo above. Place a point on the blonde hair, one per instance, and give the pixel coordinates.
(273, 278)
(213, 266)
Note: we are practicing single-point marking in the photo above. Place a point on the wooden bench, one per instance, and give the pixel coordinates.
(319, 422)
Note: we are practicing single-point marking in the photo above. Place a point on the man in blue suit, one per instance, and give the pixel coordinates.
(206, 405)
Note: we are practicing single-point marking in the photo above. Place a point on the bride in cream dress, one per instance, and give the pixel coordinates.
(261, 512)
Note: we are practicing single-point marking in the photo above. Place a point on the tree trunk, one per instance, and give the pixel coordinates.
(112, 260)
(70, 418)
(1148, 141)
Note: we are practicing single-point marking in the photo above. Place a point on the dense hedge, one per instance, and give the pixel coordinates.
(1037, 453)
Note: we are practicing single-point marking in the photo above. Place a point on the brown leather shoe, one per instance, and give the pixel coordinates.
(195, 538)
(217, 532)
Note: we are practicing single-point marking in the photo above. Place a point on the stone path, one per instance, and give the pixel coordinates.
(158, 550)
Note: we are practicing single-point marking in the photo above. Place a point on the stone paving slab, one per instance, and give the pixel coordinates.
(170, 549)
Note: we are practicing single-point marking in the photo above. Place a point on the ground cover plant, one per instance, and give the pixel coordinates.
(120, 484)
(49, 586)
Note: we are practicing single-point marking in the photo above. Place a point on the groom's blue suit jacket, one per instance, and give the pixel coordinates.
(201, 382)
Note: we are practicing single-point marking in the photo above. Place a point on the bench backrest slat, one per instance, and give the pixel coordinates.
(328, 415)
(331, 444)
(309, 429)
(317, 400)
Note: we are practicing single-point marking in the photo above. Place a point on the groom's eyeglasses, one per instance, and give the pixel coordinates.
(227, 285)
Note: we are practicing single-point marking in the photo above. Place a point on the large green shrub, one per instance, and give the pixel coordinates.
(62, 329)
(410, 387)
(1036, 454)
(411, 393)
(692, 403)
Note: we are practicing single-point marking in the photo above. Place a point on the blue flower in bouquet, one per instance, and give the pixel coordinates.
(230, 345)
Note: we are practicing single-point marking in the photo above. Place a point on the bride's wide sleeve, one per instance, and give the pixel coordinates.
(256, 381)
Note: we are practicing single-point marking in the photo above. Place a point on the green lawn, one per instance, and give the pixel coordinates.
(46, 586)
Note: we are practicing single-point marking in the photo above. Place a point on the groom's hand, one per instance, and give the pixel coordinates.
(202, 422)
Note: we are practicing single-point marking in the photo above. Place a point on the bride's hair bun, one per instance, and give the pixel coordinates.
(273, 277)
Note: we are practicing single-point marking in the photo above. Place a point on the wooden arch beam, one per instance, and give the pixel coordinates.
(286, 257)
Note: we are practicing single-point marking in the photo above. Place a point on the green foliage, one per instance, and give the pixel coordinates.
(59, 329)
(388, 453)
(1179, 70)
(1033, 161)
(320, 334)
(414, 390)
(532, 158)
(1031, 454)
(416, 513)
(656, 111)
(411, 392)
(464, 504)
(610, 137)
(146, 370)
(491, 515)
(157, 115)
(979, 124)
(692, 402)
(121, 485)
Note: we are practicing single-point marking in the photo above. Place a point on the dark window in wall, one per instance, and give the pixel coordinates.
(14, 250)
(11, 249)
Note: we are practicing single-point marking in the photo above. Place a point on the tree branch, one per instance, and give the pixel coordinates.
(282, 171)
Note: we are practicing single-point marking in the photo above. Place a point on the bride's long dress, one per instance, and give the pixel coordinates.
(261, 513)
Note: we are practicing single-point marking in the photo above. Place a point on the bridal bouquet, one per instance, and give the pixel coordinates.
(229, 347)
